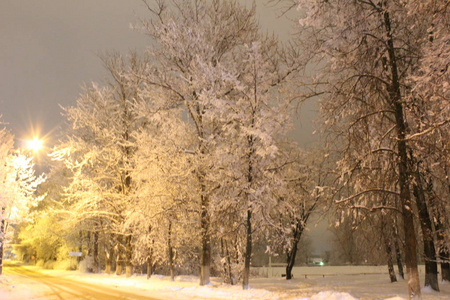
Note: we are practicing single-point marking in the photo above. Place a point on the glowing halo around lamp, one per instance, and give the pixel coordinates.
(35, 144)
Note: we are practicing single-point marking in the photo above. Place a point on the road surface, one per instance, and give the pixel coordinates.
(29, 284)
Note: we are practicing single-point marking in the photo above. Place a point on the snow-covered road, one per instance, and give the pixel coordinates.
(339, 283)
(25, 283)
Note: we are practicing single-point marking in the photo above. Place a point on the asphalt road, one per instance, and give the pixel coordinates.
(43, 286)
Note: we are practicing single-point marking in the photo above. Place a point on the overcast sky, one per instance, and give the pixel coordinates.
(49, 50)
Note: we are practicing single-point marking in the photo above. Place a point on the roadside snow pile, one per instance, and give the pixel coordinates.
(228, 292)
(330, 295)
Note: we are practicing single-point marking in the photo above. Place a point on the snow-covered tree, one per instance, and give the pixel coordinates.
(99, 151)
(210, 58)
(257, 119)
(164, 218)
(46, 235)
(189, 37)
(304, 192)
(368, 51)
(429, 116)
(18, 184)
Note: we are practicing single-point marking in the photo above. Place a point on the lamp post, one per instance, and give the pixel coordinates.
(35, 144)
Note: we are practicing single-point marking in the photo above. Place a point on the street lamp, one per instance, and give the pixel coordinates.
(35, 144)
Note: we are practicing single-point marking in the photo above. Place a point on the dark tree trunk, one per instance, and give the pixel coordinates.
(80, 246)
(410, 239)
(150, 264)
(440, 213)
(119, 255)
(250, 179)
(170, 250)
(90, 250)
(387, 239)
(150, 255)
(398, 256)
(292, 253)
(128, 256)
(390, 262)
(445, 265)
(443, 250)
(230, 273)
(248, 246)
(248, 252)
(431, 269)
(89, 243)
(225, 255)
(96, 266)
(150, 258)
(403, 182)
(205, 264)
(291, 261)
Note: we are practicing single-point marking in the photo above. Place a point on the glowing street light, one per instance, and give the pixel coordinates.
(35, 144)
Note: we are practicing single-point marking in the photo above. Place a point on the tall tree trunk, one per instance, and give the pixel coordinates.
(248, 252)
(108, 255)
(90, 250)
(387, 240)
(96, 266)
(405, 193)
(128, 256)
(119, 255)
(390, 262)
(411, 246)
(170, 250)
(80, 246)
(205, 263)
(292, 253)
(445, 265)
(248, 246)
(150, 264)
(398, 256)
(227, 265)
(431, 269)
(443, 250)
(150, 259)
(150, 255)
(398, 252)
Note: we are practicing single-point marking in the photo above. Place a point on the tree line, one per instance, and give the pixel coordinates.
(181, 160)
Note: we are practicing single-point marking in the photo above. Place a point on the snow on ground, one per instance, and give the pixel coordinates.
(11, 288)
(321, 283)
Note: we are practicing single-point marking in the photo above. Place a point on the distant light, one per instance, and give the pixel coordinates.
(35, 144)
(321, 263)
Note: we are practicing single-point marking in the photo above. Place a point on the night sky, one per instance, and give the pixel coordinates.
(50, 48)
